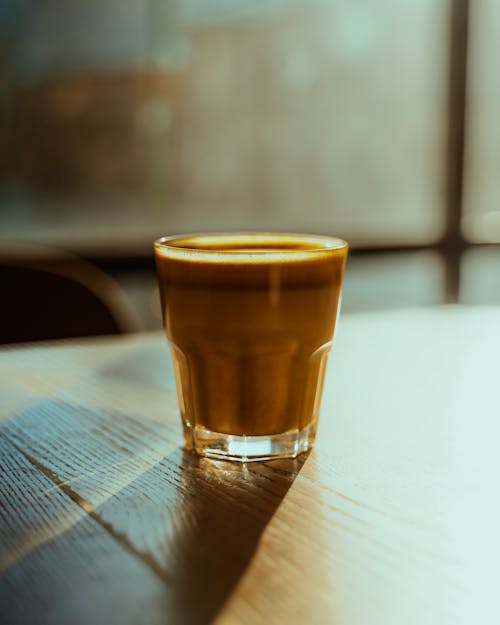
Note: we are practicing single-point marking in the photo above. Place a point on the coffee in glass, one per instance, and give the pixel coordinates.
(250, 320)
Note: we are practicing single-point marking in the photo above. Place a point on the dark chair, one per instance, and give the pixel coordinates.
(48, 294)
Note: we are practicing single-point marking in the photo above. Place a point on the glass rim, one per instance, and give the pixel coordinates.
(320, 243)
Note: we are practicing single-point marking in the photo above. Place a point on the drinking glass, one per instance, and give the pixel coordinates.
(250, 319)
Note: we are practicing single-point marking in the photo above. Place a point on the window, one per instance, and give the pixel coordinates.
(482, 181)
(125, 120)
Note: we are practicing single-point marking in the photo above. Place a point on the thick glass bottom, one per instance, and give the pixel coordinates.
(248, 448)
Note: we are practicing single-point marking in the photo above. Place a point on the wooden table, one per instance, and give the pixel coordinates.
(392, 519)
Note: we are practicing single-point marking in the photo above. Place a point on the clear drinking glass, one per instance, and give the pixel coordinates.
(250, 320)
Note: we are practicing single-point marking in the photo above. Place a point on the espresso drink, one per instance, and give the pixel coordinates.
(250, 320)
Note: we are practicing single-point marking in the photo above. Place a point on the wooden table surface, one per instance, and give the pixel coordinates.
(393, 518)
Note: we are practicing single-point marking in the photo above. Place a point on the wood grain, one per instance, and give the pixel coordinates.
(58, 564)
(391, 519)
(195, 523)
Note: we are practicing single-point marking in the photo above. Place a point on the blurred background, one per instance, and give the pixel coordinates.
(124, 120)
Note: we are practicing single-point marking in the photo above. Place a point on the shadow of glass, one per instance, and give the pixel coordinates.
(221, 518)
(195, 522)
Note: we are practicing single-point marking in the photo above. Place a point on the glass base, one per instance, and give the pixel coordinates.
(248, 448)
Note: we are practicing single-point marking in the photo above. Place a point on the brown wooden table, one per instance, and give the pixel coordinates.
(393, 518)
